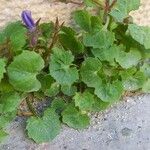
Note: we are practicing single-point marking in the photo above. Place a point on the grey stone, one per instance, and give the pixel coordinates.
(126, 131)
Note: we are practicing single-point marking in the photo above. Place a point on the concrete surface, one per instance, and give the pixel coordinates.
(125, 126)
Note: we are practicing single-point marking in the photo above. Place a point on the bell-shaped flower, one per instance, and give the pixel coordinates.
(28, 20)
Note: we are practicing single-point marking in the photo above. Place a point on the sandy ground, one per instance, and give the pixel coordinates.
(10, 10)
(125, 126)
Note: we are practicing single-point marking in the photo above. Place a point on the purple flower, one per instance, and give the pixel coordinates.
(28, 21)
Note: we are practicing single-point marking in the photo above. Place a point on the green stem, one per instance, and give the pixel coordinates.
(107, 23)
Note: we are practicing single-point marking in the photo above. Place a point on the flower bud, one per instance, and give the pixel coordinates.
(28, 21)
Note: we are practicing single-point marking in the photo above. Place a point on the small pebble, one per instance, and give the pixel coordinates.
(126, 131)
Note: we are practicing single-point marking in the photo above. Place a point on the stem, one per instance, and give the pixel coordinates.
(77, 3)
(106, 24)
(54, 40)
(106, 10)
(24, 113)
(30, 106)
(98, 3)
(112, 4)
(70, 1)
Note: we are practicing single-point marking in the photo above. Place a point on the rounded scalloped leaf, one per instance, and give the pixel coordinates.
(16, 32)
(23, 70)
(121, 9)
(109, 92)
(7, 118)
(102, 39)
(53, 90)
(68, 90)
(108, 54)
(99, 105)
(61, 67)
(146, 86)
(132, 82)
(89, 71)
(73, 118)
(69, 41)
(130, 59)
(140, 34)
(59, 104)
(10, 101)
(44, 129)
(83, 19)
(145, 69)
(84, 100)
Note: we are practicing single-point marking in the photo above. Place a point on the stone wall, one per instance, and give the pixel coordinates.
(49, 10)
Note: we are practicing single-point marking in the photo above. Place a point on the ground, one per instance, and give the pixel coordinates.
(125, 126)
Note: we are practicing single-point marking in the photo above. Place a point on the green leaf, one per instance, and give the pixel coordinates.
(3, 135)
(73, 118)
(17, 35)
(68, 90)
(69, 41)
(122, 8)
(58, 104)
(44, 129)
(48, 85)
(146, 69)
(6, 118)
(89, 72)
(132, 81)
(96, 24)
(140, 34)
(46, 81)
(83, 19)
(2, 37)
(53, 90)
(102, 39)
(128, 59)
(109, 92)
(5, 86)
(146, 86)
(47, 29)
(68, 30)
(2, 68)
(108, 54)
(23, 70)
(61, 67)
(84, 100)
(10, 102)
(99, 105)
(92, 3)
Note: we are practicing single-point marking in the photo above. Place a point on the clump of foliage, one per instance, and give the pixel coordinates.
(82, 69)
